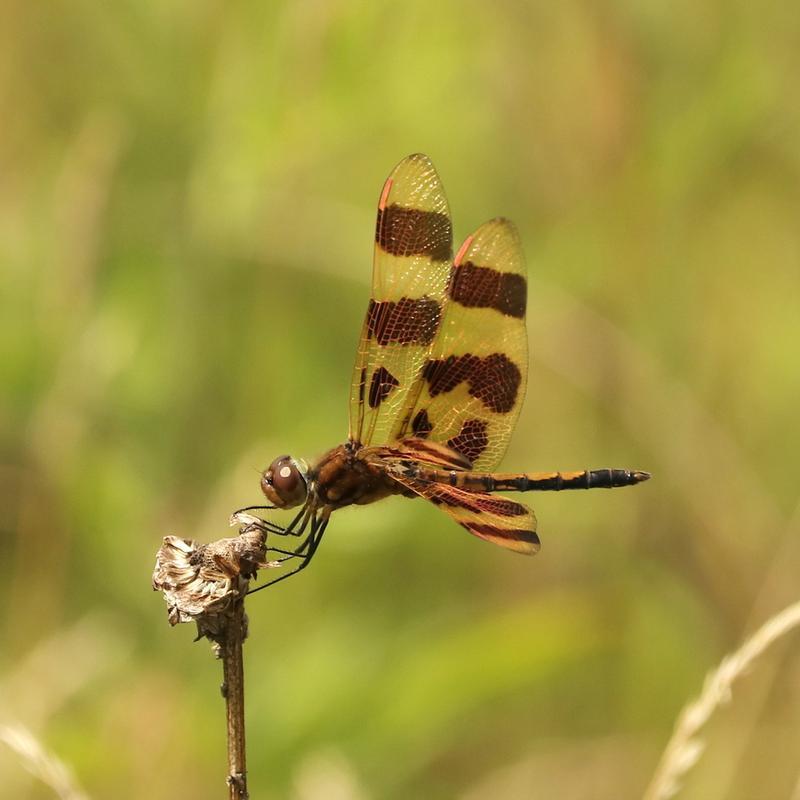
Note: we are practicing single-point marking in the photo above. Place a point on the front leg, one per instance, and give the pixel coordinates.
(311, 543)
(270, 527)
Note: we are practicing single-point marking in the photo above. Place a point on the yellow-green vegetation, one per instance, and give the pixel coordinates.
(187, 200)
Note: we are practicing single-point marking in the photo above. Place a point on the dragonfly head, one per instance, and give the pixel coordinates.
(285, 482)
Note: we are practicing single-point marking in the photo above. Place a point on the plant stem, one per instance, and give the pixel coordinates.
(206, 584)
(233, 692)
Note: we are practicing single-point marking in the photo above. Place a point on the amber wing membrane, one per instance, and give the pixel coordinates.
(496, 519)
(473, 381)
(411, 272)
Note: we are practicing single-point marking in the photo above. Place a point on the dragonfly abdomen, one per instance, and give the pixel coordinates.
(536, 481)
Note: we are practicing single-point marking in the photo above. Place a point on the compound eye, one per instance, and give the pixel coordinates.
(287, 481)
(285, 477)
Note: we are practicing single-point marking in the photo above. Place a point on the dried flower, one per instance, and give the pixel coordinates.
(200, 582)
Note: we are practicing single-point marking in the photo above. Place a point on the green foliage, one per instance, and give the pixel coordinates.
(187, 195)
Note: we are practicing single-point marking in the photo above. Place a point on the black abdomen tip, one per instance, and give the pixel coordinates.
(611, 478)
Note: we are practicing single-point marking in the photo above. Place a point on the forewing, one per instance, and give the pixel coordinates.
(496, 519)
(473, 382)
(410, 276)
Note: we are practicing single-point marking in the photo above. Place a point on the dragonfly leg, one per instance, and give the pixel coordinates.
(306, 513)
(288, 553)
(270, 527)
(318, 525)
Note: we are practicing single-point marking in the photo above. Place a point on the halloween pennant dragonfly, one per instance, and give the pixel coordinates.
(438, 382)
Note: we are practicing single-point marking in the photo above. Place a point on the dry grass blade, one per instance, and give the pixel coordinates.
(40, 762)
(796, 792)
(684, 748)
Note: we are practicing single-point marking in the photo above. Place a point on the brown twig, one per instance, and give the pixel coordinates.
(233, 692)
(206, 584)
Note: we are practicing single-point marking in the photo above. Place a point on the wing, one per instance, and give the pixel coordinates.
(429, 453)
(410, 275)
(496, 519)
(473, 382)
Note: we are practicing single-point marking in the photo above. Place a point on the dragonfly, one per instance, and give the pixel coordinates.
(438, 382)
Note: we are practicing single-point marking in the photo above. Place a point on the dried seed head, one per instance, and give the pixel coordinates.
(200, 582)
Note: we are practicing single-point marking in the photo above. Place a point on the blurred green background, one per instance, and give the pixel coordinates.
(187, 200)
